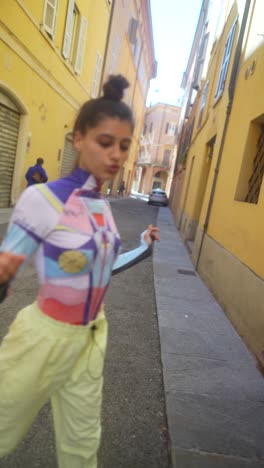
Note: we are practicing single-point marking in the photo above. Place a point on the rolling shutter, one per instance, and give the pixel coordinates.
(9, 128)
(70, 157)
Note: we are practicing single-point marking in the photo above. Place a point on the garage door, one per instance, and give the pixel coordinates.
(9, 128)
(70, 156)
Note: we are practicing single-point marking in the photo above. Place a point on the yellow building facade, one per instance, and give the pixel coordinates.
(220, 212)
(130, 52)
(51, 62)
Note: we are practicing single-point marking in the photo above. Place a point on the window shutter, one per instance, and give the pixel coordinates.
(132, 30)
(115, 52)
(166, 157)
(135, 48)
(49, 16)
(96, 75)
(167, 128)
(203, 103)
(225, 61)
(200, 62)
(81, 45)
(68, 30)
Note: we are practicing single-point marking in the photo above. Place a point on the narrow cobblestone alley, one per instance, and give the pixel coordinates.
(131, 103)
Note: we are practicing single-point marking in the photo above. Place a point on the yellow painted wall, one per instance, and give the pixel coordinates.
(213, 123)
(236, 225)
(243, 232)
(50, 116)
(33, 70)
(127, 67)
(136, 94)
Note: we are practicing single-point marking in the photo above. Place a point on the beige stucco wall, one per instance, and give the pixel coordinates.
(159, 115)
(237, 288)
(154, 142)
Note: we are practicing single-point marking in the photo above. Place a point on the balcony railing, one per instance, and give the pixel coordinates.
(144, 159)
(151, 161)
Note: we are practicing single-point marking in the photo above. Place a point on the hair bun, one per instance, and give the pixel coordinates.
(114, 87)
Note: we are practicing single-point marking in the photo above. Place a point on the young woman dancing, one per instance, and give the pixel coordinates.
(55, 348)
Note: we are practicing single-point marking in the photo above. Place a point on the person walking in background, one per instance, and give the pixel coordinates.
(56, 346)
(122, 188)
(36, 174)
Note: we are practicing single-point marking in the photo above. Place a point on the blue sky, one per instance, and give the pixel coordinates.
(174, 24)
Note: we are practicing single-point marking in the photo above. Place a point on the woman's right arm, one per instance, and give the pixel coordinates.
(27, 227)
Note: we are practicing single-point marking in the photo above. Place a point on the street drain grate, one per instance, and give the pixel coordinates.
(186, 272)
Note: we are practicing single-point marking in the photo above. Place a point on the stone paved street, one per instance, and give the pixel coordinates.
(214, 392)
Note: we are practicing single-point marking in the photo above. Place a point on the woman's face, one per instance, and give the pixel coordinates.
(104, 149)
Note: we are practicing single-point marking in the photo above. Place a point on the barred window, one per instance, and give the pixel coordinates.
(256, 178)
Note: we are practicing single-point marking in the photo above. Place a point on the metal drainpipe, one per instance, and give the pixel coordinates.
(231, 92)
(107, 45)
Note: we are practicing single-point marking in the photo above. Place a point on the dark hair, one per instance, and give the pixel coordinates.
(109, 105)
(40, 161)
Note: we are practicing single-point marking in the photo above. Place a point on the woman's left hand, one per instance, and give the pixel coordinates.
(151, 234)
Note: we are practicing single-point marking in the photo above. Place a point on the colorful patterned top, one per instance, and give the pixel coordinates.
(70, 227)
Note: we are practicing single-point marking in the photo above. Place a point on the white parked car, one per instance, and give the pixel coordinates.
(158, 197)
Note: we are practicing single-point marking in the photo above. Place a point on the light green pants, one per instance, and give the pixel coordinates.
(41, 358)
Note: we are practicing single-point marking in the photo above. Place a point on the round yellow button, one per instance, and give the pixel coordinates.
(72, 261)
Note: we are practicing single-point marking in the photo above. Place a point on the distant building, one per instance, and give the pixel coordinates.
(51, 62)
(130, 52)
(156, 160)
(219, 202)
